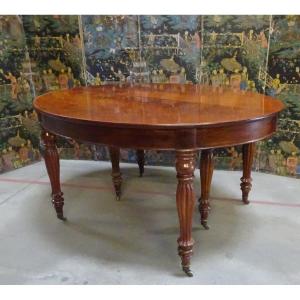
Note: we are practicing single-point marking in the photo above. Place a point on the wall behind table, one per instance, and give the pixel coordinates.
(19, 129)
(258, 53)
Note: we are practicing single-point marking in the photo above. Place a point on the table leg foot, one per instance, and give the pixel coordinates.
(245, 199)
(246, 186)
(140, 155)
(52, 164)
(206, 171)
(185, 200)
(117, 182)
(116, 174)
(60, 216)
(58, 202)
(246, 180)
(186, 252)
(205, 225)
(188, 271)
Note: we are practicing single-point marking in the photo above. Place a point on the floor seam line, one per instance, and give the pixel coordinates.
(76, 185)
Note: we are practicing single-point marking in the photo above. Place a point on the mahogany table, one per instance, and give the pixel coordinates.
(184, 118)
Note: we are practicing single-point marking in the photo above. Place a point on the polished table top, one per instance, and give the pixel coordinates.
(170, 105)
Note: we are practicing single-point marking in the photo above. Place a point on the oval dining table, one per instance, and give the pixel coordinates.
(183, 118)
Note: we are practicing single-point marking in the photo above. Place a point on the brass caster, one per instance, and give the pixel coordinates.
(245, 200)
(187, 271)
(204, 224)
(60, 216)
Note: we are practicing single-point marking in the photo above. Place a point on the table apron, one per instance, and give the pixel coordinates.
(168, 138)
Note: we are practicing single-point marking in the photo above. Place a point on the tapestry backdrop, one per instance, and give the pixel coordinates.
(44, 53)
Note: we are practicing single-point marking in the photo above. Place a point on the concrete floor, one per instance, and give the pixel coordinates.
(134, 241)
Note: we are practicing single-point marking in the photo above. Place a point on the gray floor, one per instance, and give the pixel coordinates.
(134, 241)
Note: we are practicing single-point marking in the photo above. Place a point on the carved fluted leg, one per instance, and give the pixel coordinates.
(52, 164)
(140, 155)
(116, 174)
(248, 154)
(206, 171)
(185, 199)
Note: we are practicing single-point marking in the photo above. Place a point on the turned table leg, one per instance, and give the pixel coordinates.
(185, 200)
(248, 154)
(52, 164)
(140, 155)
(116, 174)
(206, 171)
